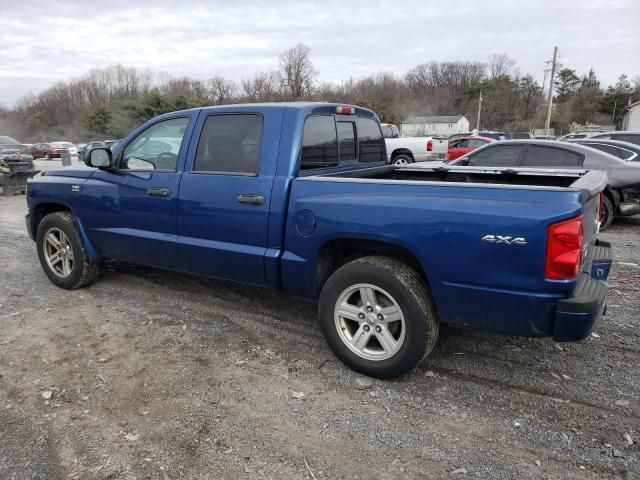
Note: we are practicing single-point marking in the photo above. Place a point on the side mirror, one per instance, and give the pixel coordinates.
(99, 158)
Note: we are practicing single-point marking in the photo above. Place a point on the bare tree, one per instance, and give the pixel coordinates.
(296, 72)
(499, 65)
(262, 87)
(221, 90)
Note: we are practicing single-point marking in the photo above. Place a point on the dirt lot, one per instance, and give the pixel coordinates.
(158, 375)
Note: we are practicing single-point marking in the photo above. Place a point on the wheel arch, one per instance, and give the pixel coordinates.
(613, 195)
(43, 209)
(401, 151)
(338, 251)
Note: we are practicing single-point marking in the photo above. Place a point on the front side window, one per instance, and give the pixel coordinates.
(537, 156)
(157, 147)
(230, 143)
(474, 143)
(460, 143)
(498, 156)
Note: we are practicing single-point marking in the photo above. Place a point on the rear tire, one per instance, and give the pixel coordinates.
(608, 213)
(402, 160)
(370, 341)
(62, 254)
(46, 156)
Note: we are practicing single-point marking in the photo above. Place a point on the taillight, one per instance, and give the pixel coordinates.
(564, 249)
(429, 145)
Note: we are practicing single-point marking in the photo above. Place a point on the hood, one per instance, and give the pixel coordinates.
(76, 171)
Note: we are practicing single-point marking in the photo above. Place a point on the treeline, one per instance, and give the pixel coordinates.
(110, 102)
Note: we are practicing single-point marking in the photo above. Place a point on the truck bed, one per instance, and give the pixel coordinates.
(562, 178)
(442, 216)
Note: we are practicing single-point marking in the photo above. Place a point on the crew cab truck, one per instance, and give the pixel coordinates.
(300, 197)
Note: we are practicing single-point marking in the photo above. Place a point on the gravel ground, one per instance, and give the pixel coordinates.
(154, 375)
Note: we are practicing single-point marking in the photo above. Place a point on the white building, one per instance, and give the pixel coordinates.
(434, 126)
(631, 119)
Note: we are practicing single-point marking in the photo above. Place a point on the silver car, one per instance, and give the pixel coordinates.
(622, 195)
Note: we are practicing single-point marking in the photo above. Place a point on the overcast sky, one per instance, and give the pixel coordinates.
(50, 40)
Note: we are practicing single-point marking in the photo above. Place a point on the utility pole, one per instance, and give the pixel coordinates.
(613, 115)
(479, 109)
(553, 72)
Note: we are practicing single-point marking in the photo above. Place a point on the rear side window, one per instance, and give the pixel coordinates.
(498, 156)
(370, 141)
(230, 144)
(627, 137)
(611, 150)
(329, 143)
(319, 143)
(537, 156)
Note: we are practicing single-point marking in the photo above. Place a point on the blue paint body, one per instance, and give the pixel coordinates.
(201, 228)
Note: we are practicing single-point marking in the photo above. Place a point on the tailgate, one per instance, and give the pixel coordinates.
(440, 145)
(591, 185)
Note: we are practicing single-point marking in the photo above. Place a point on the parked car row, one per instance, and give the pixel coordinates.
(84, 148)
(58, 149)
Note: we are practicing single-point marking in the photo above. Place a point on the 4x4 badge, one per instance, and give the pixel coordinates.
(506, 240)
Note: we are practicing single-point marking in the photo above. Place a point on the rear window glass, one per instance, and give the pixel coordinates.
(498, 156)
(319, 143)
(347, 141)
(370, 140)
(537, 156)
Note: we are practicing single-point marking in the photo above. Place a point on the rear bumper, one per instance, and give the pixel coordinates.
(576, 317)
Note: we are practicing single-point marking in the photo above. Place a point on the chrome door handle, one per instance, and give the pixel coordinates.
(251, 199)
(159, 192)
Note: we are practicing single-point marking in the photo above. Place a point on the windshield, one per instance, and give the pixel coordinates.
(8, 141)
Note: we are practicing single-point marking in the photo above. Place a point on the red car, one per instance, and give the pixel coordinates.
(461, 146)
(47, 151)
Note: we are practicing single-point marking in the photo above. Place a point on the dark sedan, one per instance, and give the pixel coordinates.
(49, 151)
(621, 197)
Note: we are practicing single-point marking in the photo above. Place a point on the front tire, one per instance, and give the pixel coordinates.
(62, 254)
(377, 316)
(608, 212)
(46, 156)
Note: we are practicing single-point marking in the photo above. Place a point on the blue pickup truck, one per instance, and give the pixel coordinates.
(299, 197)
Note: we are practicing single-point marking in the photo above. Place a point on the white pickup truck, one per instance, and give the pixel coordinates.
(403, 150)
